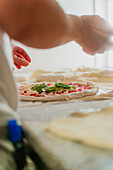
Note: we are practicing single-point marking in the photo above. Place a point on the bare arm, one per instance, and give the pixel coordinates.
(36, 23)
(43, 24)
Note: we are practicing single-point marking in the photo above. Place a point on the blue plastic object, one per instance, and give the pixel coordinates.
(15, 131)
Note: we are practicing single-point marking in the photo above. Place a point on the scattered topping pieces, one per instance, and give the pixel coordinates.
(88, 87)
(48, 84)
(32, 94)
(21, 93)
(79, 89)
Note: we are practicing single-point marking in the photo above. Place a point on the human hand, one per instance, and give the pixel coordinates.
(95, 35)
(20, 57)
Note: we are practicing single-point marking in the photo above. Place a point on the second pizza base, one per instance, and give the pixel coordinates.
(94, 129)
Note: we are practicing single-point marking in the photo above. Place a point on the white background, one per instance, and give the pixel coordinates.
(71, 54)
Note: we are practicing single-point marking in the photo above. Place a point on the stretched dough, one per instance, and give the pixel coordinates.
(94, 129)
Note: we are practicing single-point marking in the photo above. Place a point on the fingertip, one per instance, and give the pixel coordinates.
(17, 66)
(84, 50)
(25, 63)
(29, 60)
(89, 53)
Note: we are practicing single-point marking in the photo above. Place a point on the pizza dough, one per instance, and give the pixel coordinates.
(82, 73)
(37, 73)
(20, 78)
(52, 77)
(94, 129)
(79, 91)
(101, 78)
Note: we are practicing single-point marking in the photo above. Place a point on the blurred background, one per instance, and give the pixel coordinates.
(71, 55)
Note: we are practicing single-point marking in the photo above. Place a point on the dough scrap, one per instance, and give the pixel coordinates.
(38, 72)
(20, 78)
(52, 77)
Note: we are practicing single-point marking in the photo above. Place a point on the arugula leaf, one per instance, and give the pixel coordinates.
(39, 87)
(63, 86)
(49, 89)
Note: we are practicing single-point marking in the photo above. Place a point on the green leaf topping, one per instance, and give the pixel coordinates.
(63, 86)
(50, 89)
(44, 88)
(39, 87)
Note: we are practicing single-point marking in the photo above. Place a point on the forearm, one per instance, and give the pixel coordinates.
(56, 31)
(40, 23)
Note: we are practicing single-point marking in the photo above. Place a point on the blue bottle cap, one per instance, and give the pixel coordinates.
(15, 131)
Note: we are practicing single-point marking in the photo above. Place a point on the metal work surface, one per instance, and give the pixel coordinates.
(58, 153)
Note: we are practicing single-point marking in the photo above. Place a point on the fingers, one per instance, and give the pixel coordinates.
(90, 53)
(109, 45)
(17, 50)
(93, 53)
(20, 60)
(17, 66)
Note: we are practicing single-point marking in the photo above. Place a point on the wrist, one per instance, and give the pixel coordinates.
(76, 28)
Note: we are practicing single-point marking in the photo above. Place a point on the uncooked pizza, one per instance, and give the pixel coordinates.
(55, 91)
